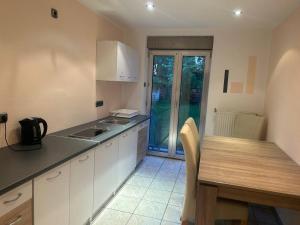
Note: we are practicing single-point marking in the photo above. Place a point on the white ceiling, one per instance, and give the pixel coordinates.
(195, 13)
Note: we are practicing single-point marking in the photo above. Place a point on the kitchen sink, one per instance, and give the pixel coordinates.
(115, 120)
(89, 133)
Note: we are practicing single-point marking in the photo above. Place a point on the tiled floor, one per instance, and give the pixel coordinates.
(152, 196)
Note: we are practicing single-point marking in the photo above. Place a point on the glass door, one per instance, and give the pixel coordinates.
(163, 69)
(177, 90)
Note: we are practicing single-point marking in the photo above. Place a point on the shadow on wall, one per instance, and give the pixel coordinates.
(288, 57)
(281, 105)
(50, 75)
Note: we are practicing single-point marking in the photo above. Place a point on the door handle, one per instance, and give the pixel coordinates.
(13, 200)
(82, 160)
(51, 178)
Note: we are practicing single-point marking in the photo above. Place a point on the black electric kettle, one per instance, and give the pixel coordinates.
(31, 131)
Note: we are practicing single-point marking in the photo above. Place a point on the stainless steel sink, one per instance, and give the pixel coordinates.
(116, 120)
(89, 133)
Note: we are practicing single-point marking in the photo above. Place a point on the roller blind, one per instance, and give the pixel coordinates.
(180, 42)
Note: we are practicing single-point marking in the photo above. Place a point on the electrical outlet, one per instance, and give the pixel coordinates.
(3, 117)
(99, 103)
(54, 13)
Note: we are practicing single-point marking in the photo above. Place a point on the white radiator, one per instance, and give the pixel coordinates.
(224, 123)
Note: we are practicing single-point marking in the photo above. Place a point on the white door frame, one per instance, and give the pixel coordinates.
(178, 56)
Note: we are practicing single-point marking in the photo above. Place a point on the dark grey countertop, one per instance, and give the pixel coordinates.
(18, 167)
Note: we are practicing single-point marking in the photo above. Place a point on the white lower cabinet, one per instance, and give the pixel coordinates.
(133, 136)
(127, 156)
(106, 177)
(51, 196)
(81, 188)
(71, 193)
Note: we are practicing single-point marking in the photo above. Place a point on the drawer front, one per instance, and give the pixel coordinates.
(22, 215)
(15, 198)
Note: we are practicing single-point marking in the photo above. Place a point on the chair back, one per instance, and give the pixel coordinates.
(190, 142)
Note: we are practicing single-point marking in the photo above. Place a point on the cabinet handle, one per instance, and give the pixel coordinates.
(13, 200)
(17, 220)
(109, 144)
(82, 160)
(51, 178)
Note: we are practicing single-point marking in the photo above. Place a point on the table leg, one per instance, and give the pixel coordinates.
(206, 204)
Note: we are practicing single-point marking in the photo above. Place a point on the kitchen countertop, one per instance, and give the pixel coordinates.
(18, 167)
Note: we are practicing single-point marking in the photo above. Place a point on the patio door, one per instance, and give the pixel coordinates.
(177, 90)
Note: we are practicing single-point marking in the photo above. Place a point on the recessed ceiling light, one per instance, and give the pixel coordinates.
(237, 12)
(150, 5)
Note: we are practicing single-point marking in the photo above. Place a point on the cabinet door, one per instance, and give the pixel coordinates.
(122, 62)
(133, 64)
(143, 134)
(124, 157)
(51, 197)
(81, 188)
(105, 180)
(133, 136)
(127, 63)
(127, 154)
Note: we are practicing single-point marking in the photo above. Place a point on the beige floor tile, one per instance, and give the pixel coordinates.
(112, 217)
(173, 214)
(140, 181)
(169, 223)
(132, 191)
(179, 187)
(162, 184)
(124, 204)
(176, 199)
(141, 220)
(150, 209)
(146, 172)
(157, 196)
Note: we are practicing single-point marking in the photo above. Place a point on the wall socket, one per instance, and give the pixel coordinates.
(99, 103)
(3, 117)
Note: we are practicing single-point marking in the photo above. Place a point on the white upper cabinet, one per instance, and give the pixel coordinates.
(116, 62)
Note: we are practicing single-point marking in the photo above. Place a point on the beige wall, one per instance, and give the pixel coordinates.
(231, 51)
(283, 94)
(47, 66)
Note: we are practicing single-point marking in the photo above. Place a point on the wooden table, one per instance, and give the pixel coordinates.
(245, 170)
